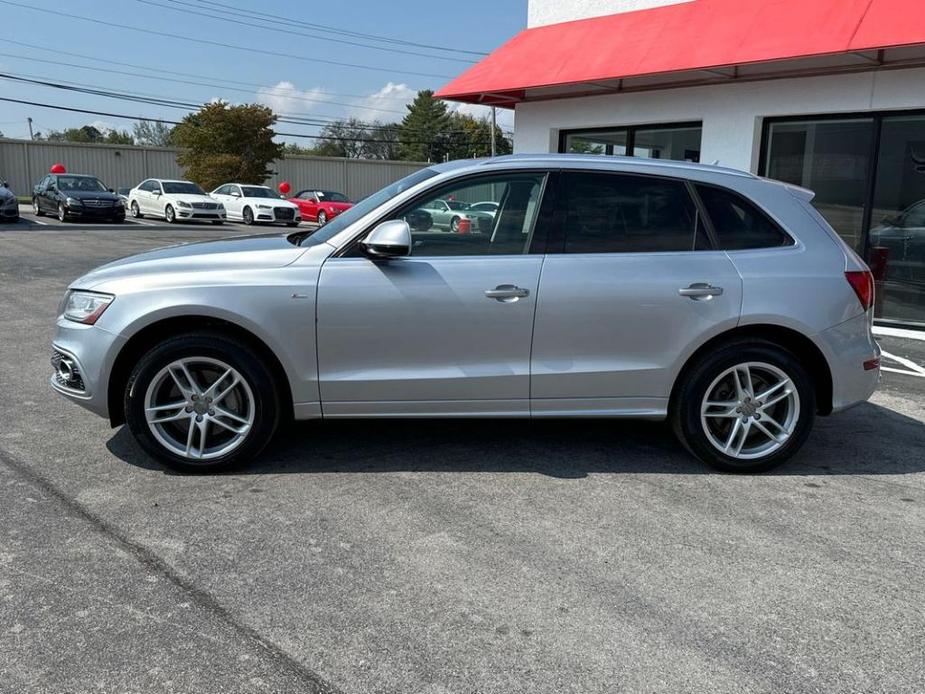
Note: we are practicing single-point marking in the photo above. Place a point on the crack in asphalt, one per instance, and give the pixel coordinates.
(314, 683)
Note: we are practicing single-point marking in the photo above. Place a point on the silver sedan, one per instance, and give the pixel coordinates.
(602, 287)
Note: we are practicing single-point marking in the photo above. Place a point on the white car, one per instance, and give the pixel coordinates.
(173, 200)
(256, 204)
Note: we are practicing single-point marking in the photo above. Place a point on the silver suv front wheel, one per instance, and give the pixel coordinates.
(202, 402)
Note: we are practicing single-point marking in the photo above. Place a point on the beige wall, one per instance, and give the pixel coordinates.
(24, 163)
(553, 11)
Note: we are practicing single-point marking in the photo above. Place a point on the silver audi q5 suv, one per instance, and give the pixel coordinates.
(598, 287)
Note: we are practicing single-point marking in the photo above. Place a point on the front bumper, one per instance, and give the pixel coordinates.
(278, 215)
(91, 351)
(96, 212)
(9, 211)
(846, 347)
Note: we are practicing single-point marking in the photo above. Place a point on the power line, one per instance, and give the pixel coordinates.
(251, 24)
(168, 102)
(92, 112)
(311, 25)
(147, 68)
(181, 37)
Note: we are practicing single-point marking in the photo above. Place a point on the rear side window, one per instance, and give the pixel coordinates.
(738, 223)
(619, 213)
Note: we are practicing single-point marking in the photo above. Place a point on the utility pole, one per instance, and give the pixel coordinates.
(31, 136)
(494, 120)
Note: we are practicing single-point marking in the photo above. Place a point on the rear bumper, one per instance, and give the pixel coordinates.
(846, 347)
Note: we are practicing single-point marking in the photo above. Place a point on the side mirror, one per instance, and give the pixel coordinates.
(112, 190)
(390, 239)
(155, 192)
(235, 194)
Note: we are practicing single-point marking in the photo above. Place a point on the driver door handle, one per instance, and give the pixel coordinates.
(701, 291)
(507, 293)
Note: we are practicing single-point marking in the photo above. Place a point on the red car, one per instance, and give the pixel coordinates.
(320, 206)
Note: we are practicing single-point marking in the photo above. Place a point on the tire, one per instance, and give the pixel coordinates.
(248, 216)
(207, 354)
(170, 216)
(36, 210)
(322, 218)
(706, 430)
(62, 212)
(136, 213)
(454, 225)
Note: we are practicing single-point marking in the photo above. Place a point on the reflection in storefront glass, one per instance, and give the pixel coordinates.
(897, 235)
(831, 158)
(609, 142)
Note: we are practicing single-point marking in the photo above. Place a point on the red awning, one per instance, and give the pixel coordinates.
(696, 41)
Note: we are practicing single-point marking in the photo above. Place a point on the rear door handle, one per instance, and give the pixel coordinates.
(701, 291)
(507, 293)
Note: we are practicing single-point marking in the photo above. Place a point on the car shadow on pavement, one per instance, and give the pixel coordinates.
(867, 440)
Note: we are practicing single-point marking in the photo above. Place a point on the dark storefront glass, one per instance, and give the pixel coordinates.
(897, 236)
(858, 190)
(597, 142)
(681, 144)
(678, 142)
(832, 158)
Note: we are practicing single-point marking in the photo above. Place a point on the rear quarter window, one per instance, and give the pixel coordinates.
(739, 224)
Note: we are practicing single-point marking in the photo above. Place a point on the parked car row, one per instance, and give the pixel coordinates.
(84, 197)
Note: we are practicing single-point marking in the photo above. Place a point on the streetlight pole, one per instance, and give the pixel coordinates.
(31, 136)
(494, 121)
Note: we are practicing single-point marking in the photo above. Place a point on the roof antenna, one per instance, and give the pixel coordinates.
(715, 163)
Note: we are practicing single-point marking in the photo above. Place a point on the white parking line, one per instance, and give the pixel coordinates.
(908, 363)
(899, 332)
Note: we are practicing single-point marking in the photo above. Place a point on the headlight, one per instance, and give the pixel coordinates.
(86, 307)
(120, 203)
(72, 202)
(263, 207)
(221, 207)
(181, 203)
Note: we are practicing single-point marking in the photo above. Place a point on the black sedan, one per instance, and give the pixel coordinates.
(75, 196)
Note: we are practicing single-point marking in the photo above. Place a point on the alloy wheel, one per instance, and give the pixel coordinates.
(199, 408)
(322, 219)
(750, 410)
(136, 213)
(169, 214)
(62, 213)
(35, 207)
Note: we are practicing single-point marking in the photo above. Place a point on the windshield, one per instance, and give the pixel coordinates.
(181, 188)
(258, 192)
(331, 196)
(87, 184)
(367, 205)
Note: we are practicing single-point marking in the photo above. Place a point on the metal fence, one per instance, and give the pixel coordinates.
(23, 163)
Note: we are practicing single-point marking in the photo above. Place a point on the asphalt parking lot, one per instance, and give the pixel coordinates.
(443, 557)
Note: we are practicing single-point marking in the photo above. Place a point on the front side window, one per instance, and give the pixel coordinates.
(738, 223)
(620, 213)
(445, 224)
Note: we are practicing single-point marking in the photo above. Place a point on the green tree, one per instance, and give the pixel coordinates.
(354, 139)
(422, 135)
(152, 133)
(86, 133)
(119, 137)
(469, 137)
(222, 143)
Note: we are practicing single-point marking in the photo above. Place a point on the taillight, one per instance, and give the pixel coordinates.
(862, 282)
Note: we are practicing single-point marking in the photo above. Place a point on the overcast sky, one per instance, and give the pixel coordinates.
(286, 75)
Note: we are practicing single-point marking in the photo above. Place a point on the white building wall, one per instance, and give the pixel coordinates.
(731, 113)
(554, 11)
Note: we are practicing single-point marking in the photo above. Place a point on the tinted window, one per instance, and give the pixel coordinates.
(617, 213)
(256, 192)
(181, 188)
(738, 223)
(450, 227)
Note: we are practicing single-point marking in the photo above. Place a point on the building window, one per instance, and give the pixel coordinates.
(868, 173)
(679, 141)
